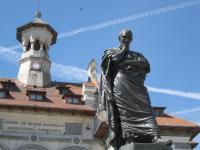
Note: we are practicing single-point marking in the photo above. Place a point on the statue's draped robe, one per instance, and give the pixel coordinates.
(125, 97)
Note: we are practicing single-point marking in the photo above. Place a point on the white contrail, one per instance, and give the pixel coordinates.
(175, 92)
(186, 111)
(77, 74)
(125, 19)
(66, 72)
(130, 18)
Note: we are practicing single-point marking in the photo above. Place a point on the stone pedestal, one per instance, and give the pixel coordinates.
(145, 146)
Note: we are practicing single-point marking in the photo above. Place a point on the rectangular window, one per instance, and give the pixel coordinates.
(36, 97)
(182, 146)
(72, 100)
(73, 128)
(2, 94)
(75, 100)
(158, 113)
(8, 85)
(63, 91)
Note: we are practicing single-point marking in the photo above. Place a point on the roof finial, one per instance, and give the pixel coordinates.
(38, 14)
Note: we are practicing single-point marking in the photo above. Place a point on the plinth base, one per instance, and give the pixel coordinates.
(145, 146)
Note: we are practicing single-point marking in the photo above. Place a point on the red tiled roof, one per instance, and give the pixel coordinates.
(169, 124)
(165, 123)
(173, 121)
(76, 89)
(54, 101)
(90, 84)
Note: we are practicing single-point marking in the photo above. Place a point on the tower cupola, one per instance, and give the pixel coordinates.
(36, 38)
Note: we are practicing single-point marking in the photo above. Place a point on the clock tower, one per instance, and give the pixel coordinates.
(36, 38)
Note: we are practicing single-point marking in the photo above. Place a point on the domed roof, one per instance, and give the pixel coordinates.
(37, 22)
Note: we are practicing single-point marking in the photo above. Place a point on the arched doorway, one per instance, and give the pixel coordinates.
(32, 147)
(75, 148)
(3, 147)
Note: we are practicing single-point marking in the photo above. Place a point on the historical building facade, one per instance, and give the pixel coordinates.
(39, 114)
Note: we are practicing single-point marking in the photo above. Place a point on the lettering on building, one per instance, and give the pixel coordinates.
(42, 127)
(73, 128)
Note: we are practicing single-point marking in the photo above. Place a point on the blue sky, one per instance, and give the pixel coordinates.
(166, 32)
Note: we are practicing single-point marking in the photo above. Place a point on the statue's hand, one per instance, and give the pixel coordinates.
(119, 54)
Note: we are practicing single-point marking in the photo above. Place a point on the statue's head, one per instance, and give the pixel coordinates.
(125, 36)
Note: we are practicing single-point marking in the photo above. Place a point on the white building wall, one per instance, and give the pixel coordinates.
(176, 138)
(89, 96)
(24, 72)
(179, 142)
(18, 129)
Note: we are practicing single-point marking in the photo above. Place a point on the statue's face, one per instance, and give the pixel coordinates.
(125, 37)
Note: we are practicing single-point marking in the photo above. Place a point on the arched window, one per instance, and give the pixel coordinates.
(44, 47)
(32, 147)
(37, 45)
(28, 46)
(3, 147)
(75, 148)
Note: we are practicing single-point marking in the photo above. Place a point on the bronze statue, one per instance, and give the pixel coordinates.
(125, 98)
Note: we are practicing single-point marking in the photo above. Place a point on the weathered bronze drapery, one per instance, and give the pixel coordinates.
(125, 98)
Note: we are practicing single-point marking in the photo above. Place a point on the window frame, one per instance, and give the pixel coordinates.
(28, 47)
(158, 113)
(6, 93)
(37, 45)
(8, 85)
(72, 100)
(62, 87)
(36, 95)
(64, 91)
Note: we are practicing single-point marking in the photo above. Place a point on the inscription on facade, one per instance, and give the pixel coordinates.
(73, 128)
(42, 127)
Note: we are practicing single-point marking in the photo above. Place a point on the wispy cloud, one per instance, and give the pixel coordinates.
(71, 73)
(125, 19)
(186, 111)
(15, 47)
(9, 55)
(175, 92)
(68, 73)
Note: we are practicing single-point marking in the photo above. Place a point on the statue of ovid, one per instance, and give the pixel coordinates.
(125, 98)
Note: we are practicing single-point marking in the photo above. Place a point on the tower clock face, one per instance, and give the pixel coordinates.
(36, 66)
